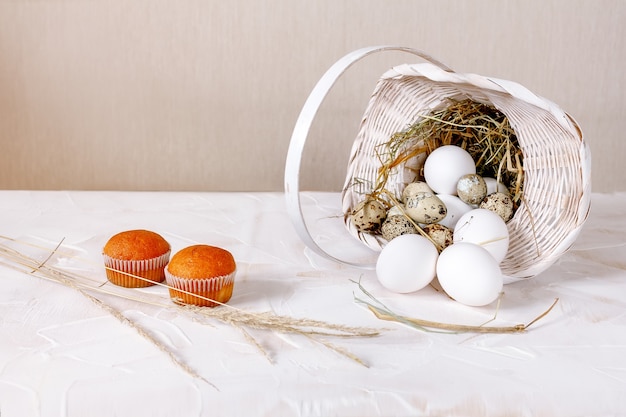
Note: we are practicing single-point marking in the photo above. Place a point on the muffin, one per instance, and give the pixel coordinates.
(201, 275)
(136, 258)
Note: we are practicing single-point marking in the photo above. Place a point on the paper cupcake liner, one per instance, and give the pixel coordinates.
(187, 290)
(124, 272)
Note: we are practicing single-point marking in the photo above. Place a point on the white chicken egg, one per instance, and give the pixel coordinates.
(455, 207)
(407, 263)
(484, 228)
(493, 186)
(469, 274)
(445, 165)
(396, 210)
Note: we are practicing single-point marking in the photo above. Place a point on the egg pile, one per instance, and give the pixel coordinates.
(464, 216)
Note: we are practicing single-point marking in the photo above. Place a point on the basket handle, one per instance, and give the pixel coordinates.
(301, 131)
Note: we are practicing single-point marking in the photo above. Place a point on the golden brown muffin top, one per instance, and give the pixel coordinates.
(134, 245)
(201, 261)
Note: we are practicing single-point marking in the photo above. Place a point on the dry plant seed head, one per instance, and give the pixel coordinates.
(314, 330)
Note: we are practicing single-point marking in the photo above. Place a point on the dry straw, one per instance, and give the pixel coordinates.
(315, 330)
(383, 312)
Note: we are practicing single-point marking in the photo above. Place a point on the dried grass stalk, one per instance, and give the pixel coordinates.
(384, 313)
(238, 318)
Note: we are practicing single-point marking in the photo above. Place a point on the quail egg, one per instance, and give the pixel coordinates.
(425, 208)
(396, 225)
(368, 215)
(440, 234)
(499, 203)
(471, 188)
(414, 188)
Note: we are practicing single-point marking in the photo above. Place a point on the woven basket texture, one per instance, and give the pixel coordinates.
(556, 159)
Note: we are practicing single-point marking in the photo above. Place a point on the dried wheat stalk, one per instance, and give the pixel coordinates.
(238, 318)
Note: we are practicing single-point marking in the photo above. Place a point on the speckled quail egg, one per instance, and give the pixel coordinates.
(425, 208)
(368, 215)
(471, 188)
(499, 203)
(414, 188)
(396, 225)
(440, 234)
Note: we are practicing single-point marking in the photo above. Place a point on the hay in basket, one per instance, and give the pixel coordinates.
(551, 161)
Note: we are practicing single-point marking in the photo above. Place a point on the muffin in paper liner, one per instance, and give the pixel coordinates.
(201, 275)
(125, 272)
(217, 290)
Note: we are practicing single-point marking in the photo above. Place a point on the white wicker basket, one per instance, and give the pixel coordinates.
(556, 159)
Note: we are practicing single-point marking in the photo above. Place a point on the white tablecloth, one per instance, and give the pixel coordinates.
(64, 354)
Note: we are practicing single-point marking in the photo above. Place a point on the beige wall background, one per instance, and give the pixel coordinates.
(204, 94)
